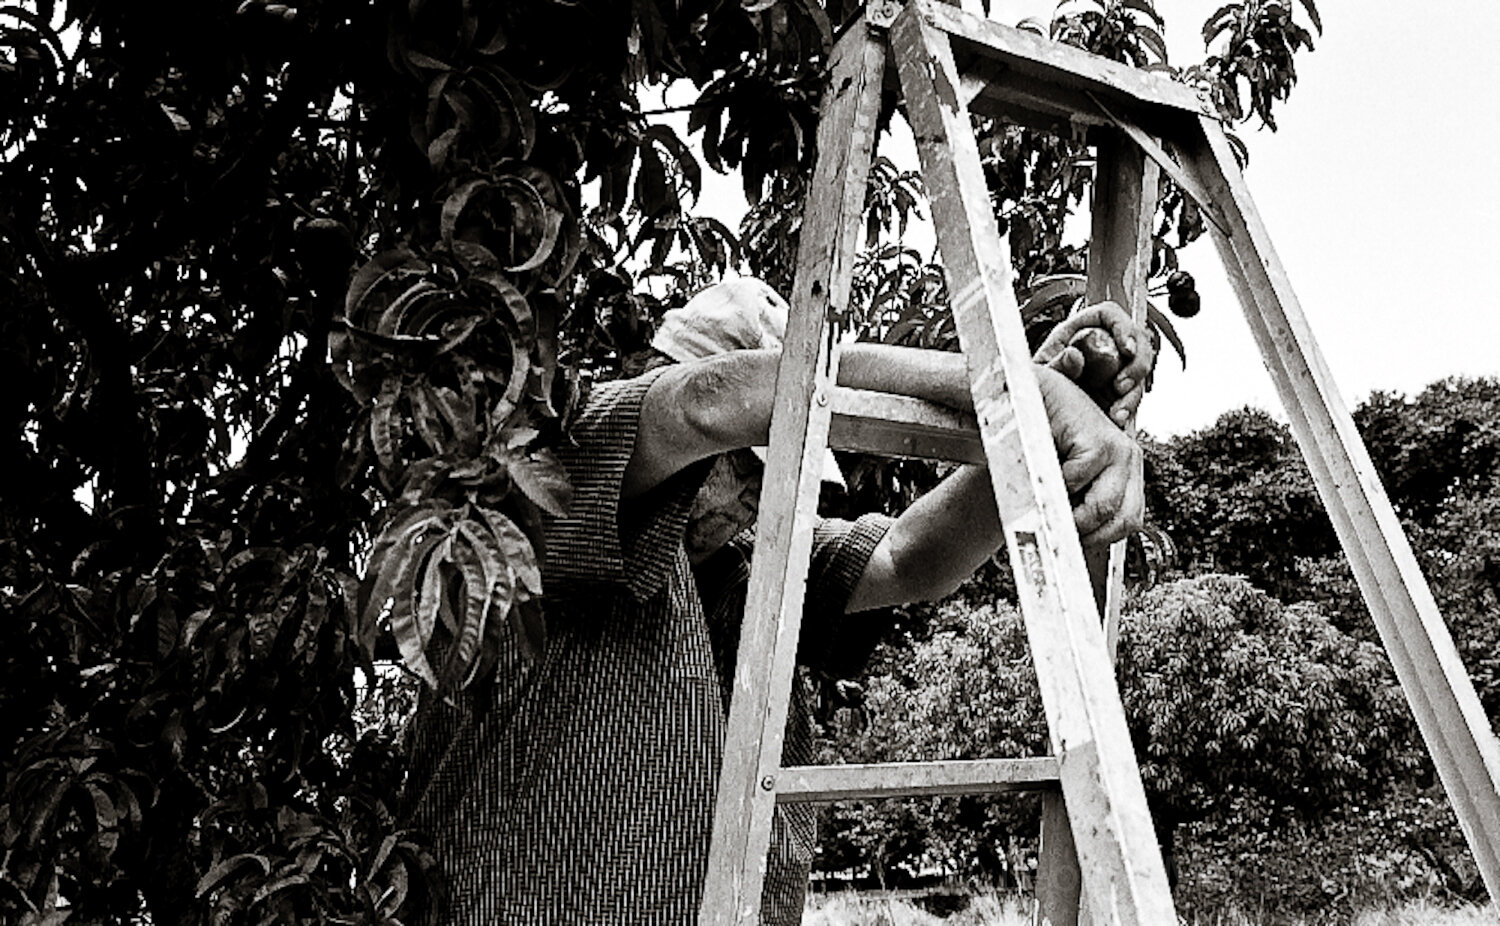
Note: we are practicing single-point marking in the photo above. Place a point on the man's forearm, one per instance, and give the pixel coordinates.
(936, 543)
(935, 375)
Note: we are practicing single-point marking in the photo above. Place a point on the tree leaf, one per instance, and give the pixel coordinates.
(380, 571)
(1222, 18)
(543, 480)
(277, 886)
(426, 419)
(651, 184)
(413, 619)
(476, 600)
(687, 165)
(512, 106)
(455, 204)
(382, 268)
(221, 871)
(395, 893)
(523, 194)
(516, 547)
(1145, 7)
(385, 424)
(1163, 324)
(511, 300)
(1312, 14)
(425, 61)
(1152, 40)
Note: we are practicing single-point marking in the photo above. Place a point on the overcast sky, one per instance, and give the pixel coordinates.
(1380, 193)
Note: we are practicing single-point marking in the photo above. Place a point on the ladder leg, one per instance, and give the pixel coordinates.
(799, 428)
(1441, 695)
(1106, 803)
(1058, 878)
(1126, 185)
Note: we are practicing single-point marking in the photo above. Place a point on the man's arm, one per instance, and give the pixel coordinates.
(942, 537)
(699, 409)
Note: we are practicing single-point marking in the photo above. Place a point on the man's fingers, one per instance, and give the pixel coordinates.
(1069, 362)
(1124, 408)
(1120, 326)
(1117, 528)
(1113, 502)
(1079, 471)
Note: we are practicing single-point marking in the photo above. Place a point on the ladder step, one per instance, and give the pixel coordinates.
(901, 426)
(810, 783)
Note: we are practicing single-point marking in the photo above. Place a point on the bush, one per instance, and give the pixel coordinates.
(1404, 847)
(1249, 717)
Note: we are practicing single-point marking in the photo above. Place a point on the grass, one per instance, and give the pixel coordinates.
(989, 909)
(1421, 913)
(852, 909)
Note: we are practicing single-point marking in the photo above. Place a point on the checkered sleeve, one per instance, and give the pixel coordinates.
(832, 641)
(604, 541)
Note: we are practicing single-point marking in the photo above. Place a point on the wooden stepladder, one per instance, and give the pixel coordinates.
(1098, 841)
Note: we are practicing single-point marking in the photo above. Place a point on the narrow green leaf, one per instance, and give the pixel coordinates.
(455, 204)
(436, 95)
(543, 480)
(411, 622)
(1163, 324)
(457, 411)
(517, 548)
(476, 598)
(1145, 6)
(437, 150)
(819, 16)
(1312, 13)
(426, 418)
(381, 854)
(1152, 40)
(428, 602)
(418, 59)
(511, 300)
(382, 268)
(380, 570)
(512, 104)
(277, 886)
(651, 184)
(395, 894)
(492, 558)
(1221, 19)
(385, 423)
(687, 165)
(525, 195)
(220, 872)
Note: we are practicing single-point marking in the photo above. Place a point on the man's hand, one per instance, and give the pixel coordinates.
(1121, 394)
(1101, 466)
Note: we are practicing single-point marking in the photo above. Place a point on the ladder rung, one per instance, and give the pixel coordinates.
(901, 426)
(807, 783)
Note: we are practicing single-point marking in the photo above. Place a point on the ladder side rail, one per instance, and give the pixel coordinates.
(1059, 880)
(1126, 186)
(1438, 688)
(799, 426)
(1105, 799)
(1123, 205)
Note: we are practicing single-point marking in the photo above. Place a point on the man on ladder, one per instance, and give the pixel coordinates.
(583, 792)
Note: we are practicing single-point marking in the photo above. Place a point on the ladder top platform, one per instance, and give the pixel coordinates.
(1016, 74)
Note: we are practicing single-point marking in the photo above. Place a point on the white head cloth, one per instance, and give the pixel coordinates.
(743, 313)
